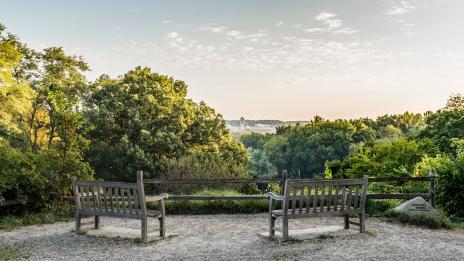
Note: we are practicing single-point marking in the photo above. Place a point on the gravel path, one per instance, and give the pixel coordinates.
(232, 237)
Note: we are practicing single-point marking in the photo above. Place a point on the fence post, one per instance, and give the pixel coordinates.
(282, 182)
(432, 176)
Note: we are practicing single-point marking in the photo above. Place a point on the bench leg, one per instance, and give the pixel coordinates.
(97, 222)
(271, 225)
(78, 223)
(144, 229)
(362, 222)
(162, 227)
(347, 222)
(285, 227)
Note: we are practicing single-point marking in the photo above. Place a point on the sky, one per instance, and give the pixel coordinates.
(267, 59)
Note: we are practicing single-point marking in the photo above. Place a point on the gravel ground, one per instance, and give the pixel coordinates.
(232, 237)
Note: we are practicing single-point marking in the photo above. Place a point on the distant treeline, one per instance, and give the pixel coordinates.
(253, 123)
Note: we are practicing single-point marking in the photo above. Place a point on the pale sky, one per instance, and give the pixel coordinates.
(287, 60)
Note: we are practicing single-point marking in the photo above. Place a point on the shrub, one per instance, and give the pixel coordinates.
(38, 178)
(450, 180)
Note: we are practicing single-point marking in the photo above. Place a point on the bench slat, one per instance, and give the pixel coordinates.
(300, 203)
(315, 198)
(294, 201)
(329, 198)
(348, 199)
(322, 198)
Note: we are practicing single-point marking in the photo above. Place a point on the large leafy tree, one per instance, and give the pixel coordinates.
(143, 119)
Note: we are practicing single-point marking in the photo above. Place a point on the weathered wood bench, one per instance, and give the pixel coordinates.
(116, 199)
(317, 198)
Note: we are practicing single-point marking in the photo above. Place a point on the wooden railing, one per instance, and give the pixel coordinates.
(162, 184)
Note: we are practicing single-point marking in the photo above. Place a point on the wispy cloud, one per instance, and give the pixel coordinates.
(213, 29)
(279, 23)
(333, 24)
(403, 7)
(166, 21)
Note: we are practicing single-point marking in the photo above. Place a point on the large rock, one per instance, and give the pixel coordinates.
(416, 206)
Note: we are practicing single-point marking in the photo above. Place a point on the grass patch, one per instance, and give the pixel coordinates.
(378, 208)
(201, 207)
(459, 225)
(431, 221)
(8, 252)
(64, 213)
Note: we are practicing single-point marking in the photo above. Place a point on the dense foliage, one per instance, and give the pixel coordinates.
(54, 124)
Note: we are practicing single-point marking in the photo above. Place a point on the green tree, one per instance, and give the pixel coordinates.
(143, 119)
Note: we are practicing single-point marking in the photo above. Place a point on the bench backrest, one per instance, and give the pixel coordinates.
(337, 196)
(110, 198)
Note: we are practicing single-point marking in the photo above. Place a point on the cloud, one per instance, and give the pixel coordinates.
(345, 30)
(279, 24)
(213, 29)
(329, 20)
(166, 21)
(334, 25)
(315, 29)
(324, 16)
(403, 7)
(233, 33)
(396, 11)
(172, 35)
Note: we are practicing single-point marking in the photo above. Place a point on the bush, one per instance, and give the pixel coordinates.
(18, 178)
(450, 180)
(37, 178)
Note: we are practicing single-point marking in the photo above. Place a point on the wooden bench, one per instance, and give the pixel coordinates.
(317, 198)
(116, 199)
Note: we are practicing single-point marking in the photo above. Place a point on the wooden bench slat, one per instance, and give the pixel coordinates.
(315, 198)
(348, 199)
(294, 201)
(105, 199)
(300, 203)
(329, 198)
(322, 199)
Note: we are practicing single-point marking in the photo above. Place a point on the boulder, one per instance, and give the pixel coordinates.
(416, 206)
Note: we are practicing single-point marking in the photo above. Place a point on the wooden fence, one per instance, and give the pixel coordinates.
(162, 185)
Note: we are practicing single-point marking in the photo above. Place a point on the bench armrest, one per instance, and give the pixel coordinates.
(271, 195)
(159, 197)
